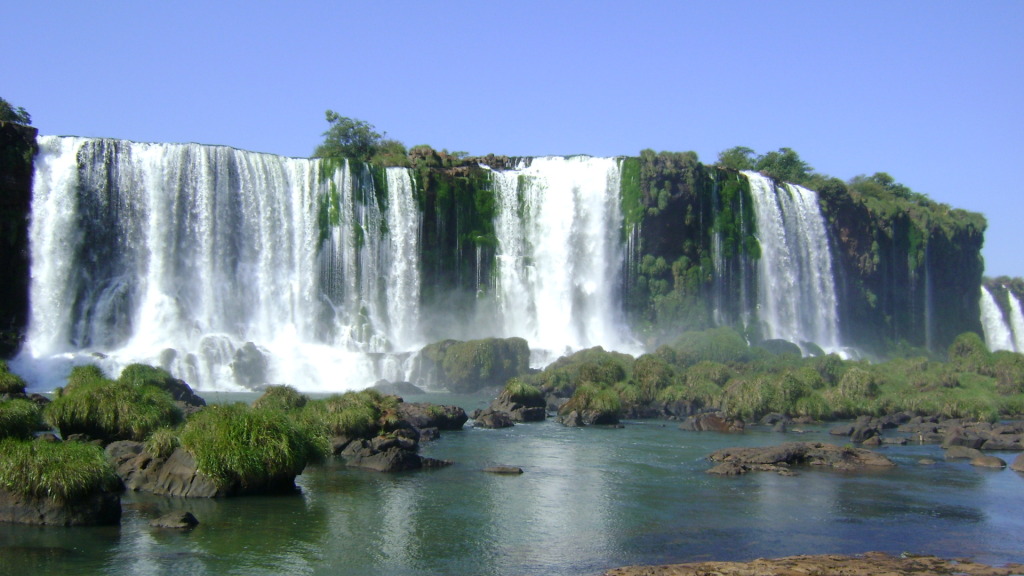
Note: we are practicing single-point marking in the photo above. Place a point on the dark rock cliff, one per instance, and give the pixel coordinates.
(17, 149)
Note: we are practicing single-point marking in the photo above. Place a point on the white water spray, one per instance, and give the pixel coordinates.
(796, 290)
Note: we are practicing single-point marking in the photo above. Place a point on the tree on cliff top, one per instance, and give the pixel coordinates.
(358, 140)
(8, 113)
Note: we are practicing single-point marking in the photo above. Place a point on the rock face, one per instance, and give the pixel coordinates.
(394, 452)
(870, 564)
(711, 422)
(175, 475)
(489, 418)
(17, 148)
(532, 409)
(466, 367)
(98, 508)
(421, 415)
(780, 458)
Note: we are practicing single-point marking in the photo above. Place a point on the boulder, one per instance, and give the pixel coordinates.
(426, 415)
(101, 507)
(529, 409)
(490, 419)
(175, 475)
(575, 418)
(467, 367)
(394, 452)
(1018, 463)
(988, 462)
(711, 422)
(175, 521)
(781, 457)
(504, 470)
(962, 453)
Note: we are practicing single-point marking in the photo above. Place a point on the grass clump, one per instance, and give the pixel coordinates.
(163, 442)
(589, 397)
(10, 383)
(281, 397)
(19, 418)
(110, 410)
(521, 392)
(236, 444)
(61, 471)
(353, 414)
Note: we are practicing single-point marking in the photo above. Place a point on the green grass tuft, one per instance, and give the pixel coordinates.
(519, 391)
(163, 442)
(281, 397)
(61, 471)
(10, 383)
(111, 410)
(236, 443)
(19, 418)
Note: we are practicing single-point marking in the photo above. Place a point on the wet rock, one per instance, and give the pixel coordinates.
(962, 453)
(175, 521)
(176, 475)
(490, 419)
(1018, 463)
(988, 462)
(425, 415)
(101, 507)
(781, 457)
(711, 422)
(504, 470)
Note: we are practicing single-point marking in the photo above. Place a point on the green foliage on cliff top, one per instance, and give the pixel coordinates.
(61, 471)
(359, 140)
(11, 113)
(110, 410)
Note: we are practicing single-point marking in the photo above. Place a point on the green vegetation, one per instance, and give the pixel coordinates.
(519, 391)
(352, 414)
(10, 113)
(10, 383)
(19, 418)
(281, 397)
(236, 444)
(358, 140)
(92, 404)
(61, 471)
(716, 369)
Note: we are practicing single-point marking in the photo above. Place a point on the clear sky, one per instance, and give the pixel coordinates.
(930, 91)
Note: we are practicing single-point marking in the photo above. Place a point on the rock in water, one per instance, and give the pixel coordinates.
(176, 521)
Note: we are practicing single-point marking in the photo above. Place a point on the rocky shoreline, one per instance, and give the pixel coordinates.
(868, 564)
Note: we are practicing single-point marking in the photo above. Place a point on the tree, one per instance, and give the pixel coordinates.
(737, 158)
(8, 113)
(349, 138)
(784, 165)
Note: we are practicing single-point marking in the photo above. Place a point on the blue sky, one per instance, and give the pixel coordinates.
(931, 92)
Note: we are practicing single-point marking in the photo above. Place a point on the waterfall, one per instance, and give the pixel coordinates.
(796, 290)
(998, 335)
(1016, 321)
(230, 268)
(560, 253)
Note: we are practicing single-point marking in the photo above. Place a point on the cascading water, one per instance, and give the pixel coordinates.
(560, 253)
(998, 335)
(1004, 328)
(796, 290)
(229, 268)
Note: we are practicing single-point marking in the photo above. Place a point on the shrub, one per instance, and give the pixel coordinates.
(233, 443)
(19, 418)
(58, 470)
(722, 345)
(858, 383)
(591, 397)
(968, 353)
(352, 414)
(80, 375)
(1008, 370)
(111, 410)
(162, 442)
(652, 374)
(10, 383)
(282, 397)
(521, 392)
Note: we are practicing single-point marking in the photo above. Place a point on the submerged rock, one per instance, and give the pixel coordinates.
(712, 422)
(781, 457)
(504, 470)
(175, 521)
